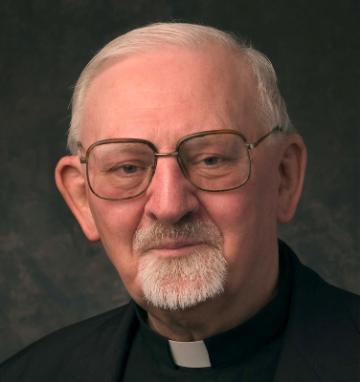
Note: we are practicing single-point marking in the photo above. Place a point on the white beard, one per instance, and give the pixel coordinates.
(177, 283)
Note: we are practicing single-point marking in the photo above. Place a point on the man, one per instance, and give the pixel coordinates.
(184, 162)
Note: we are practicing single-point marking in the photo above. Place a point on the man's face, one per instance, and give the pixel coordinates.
(161, 96)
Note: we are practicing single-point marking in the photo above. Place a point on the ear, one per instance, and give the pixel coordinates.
(292, 167)
(71, 182)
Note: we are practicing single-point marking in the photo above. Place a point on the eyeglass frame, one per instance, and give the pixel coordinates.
(174, 154)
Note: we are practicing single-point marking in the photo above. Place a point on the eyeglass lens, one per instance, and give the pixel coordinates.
(213, 162)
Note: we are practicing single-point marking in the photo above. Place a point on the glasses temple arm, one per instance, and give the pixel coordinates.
(80, 148)
(276, 129)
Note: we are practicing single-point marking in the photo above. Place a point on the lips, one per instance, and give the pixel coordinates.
(182, 238)
(174, 248)
(176, 244)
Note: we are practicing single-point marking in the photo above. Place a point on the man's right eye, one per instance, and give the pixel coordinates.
(124, 169)
(129, 168)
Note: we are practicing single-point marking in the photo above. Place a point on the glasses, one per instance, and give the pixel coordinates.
(213, 161)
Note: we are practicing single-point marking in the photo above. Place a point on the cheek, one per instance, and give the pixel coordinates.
(233, 214)
(247, 220)
(117, 223)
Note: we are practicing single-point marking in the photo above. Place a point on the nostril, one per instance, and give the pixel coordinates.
(171, 209)
(171, 206)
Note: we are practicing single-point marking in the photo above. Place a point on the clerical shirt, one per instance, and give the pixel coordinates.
(247, 353)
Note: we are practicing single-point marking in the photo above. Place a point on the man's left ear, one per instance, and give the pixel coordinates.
(292, 167)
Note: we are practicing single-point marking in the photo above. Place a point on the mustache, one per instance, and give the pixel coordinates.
(157, 234)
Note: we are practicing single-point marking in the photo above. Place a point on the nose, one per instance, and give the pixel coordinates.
(171, 197)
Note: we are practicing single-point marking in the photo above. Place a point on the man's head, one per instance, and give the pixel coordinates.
(183, 235)
(269, 102)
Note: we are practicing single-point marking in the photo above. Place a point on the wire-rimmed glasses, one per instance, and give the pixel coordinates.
(213, 161)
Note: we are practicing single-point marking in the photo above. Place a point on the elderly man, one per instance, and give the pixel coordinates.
(184, 162)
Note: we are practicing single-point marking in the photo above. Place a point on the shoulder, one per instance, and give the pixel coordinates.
(323, 297)
(322, 336)
(312, 290)
(63, 346)
(323, 331)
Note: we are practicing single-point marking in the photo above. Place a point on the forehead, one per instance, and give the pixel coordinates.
(164, 94)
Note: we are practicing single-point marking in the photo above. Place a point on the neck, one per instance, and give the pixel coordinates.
(226, 311)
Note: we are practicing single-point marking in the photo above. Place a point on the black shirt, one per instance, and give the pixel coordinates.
(248, 352)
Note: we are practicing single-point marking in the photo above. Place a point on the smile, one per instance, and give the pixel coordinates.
(175, 248)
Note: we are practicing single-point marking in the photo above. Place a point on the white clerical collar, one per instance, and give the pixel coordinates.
(190, 354)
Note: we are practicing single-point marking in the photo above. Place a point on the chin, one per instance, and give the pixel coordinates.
(180, 283)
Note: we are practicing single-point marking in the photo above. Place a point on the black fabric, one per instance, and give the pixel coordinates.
(145, 366)
(321, 340)
(248, 352)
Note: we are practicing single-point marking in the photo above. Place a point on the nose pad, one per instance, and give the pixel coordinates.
(171, 196)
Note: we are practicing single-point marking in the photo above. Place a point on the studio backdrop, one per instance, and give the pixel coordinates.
(50, 275)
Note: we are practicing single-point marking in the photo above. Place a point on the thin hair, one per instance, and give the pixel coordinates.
(270, 103)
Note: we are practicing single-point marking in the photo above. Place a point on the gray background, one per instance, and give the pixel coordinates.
(50, 276)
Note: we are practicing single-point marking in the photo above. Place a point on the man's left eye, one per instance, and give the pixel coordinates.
(212, 160)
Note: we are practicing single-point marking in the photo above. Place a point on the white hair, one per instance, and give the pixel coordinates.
(178, 283)
(271, 104)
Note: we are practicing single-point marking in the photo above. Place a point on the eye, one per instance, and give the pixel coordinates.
(129, 168)
(124, 169)
(209, 160)
(212, 160)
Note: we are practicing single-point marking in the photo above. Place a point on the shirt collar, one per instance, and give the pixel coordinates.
(230, 347)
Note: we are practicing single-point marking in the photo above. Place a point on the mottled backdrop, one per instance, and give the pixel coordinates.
(50, 276)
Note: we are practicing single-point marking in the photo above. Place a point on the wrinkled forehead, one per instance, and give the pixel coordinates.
(187, 89)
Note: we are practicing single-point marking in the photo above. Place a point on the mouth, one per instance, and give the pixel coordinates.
(175, 248)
